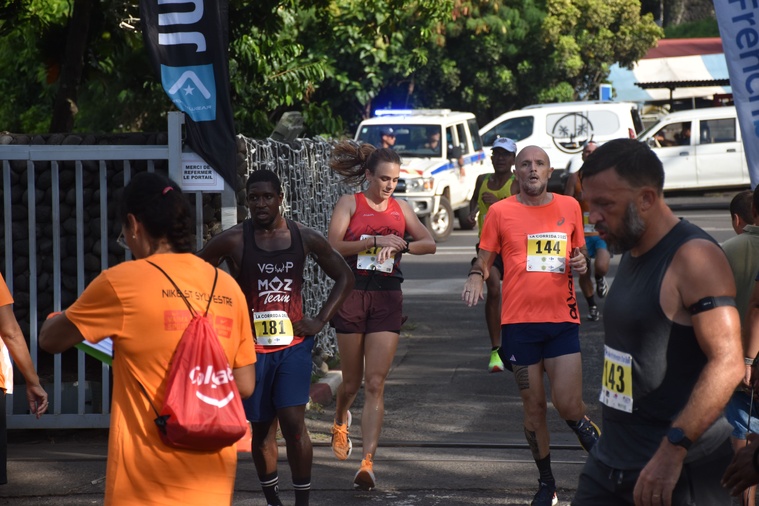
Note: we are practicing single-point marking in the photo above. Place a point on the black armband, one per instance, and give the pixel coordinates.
(406, 249)
(709, 303)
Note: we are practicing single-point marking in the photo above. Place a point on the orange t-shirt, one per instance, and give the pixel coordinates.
(535, 243)
(6, 367)
(136, 305)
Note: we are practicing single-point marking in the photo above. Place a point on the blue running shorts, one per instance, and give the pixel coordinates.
(283, 379)
(529, 343)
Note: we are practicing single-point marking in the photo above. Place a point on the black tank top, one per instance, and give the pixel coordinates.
(272, 280)
(666, 358)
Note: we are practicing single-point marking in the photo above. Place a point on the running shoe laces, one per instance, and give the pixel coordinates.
(587, 432)
(601, 287)
(364, 479)
(341, 443)
(546, 495)
(496, 364)
(593, 314)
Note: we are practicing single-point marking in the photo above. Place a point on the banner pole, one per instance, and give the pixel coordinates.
(175, 122)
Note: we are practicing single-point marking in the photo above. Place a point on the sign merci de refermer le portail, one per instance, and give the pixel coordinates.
(198, 176)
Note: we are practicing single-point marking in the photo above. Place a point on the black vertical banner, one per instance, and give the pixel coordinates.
(187, 41)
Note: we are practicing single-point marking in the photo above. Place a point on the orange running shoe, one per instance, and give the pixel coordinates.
(364, 479)
(341, 443)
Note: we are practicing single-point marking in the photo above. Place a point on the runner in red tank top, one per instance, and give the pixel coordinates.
(369, 230)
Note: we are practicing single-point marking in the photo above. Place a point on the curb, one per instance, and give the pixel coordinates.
(323, 391)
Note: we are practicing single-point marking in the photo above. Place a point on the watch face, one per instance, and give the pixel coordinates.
(676, 436)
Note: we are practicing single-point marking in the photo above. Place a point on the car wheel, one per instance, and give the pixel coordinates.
(463, 216)
(441, 222)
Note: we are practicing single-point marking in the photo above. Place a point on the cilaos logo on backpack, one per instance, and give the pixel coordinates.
(212, 379)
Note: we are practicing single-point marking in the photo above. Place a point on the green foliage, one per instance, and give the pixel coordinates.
(499, 56)
(585, 37)
(702, 28)
(335, 60)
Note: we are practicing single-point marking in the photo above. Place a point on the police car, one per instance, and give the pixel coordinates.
(442, 155)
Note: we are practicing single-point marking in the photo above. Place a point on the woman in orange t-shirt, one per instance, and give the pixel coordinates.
(137, 306)
(13, 345)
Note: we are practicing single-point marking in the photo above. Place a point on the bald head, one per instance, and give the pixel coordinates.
(533, 169)
(532, 152)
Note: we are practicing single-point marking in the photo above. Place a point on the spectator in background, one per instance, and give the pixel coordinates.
(387, 137)
(742, 253)
(683, 138)
(597, 249)
(433, 141)
(741, 212)
(14, 346)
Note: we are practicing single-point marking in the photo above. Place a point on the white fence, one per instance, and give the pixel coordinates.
(68, 236)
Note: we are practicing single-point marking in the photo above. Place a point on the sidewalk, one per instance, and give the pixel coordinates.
(48, 463)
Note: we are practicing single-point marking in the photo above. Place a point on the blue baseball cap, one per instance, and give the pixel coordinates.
(386, 130)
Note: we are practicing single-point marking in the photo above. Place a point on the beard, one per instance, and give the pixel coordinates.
(533, 190)
(633, 228)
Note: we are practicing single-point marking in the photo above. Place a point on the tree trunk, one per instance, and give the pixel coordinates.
(64, 106)
(672, 12)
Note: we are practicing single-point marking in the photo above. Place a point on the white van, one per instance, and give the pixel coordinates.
(562, 129)
(701, 149)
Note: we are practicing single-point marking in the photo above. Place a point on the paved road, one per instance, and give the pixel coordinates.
(452, 434)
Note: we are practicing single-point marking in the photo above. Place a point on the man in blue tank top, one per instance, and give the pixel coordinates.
(672, 348)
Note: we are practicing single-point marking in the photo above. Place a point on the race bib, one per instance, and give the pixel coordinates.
(367, 260)
(616, 383)
(546, 252)
(273, 328)
(588, 227)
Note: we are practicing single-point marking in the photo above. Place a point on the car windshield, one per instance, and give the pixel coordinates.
(414, 141)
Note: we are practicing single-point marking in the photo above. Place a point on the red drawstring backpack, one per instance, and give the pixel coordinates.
(202, 408)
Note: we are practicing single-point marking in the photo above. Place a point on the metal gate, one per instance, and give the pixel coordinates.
(83, 402)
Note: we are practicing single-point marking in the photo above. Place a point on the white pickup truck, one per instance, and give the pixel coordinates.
(437, 179)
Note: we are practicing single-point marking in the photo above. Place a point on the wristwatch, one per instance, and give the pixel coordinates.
(676, 436)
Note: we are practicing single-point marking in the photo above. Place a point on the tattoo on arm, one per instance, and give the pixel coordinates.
(532, 442)
(520, 374)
